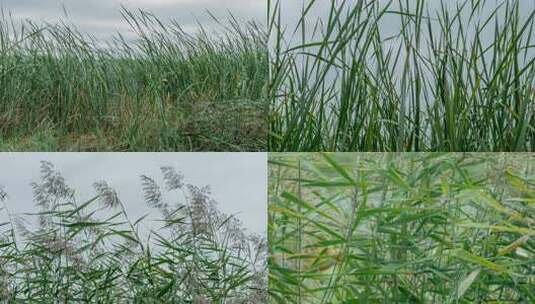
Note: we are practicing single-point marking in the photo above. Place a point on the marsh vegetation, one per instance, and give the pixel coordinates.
(94, 252)
(402, 228)
(400, 75)
(159, 88)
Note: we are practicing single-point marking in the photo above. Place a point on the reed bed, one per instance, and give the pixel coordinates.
(402, 75)
(155, 88)
(401, 228)
(93, 252)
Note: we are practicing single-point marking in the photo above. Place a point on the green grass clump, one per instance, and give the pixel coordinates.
(94, 252)
(159, 89)
(403, 76)
(402, 228)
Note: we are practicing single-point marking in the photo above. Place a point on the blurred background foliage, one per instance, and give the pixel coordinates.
(402, 228)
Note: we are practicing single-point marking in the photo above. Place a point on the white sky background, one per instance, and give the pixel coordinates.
(390, 25)
(238, 180)
(102, 18)
(291, 11)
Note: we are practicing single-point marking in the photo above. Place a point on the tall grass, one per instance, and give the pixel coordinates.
(403, 75)
(160, 89)
(93, 252)
(401, 228)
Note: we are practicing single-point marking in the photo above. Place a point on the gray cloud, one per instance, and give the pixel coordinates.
(291, 11)
(103, 17)
(238, 180)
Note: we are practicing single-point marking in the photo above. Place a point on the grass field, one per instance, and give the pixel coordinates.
(159, 90)
(93, 252)
(402, 228)
(403, 76)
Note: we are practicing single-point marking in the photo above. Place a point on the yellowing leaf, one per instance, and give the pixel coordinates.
(513, 246)
(498, 228)
(520, 184)
(468, 257)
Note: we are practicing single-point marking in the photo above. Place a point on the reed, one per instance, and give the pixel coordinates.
(401, 228)
(93, 252)
(156, 89)
(403, 75)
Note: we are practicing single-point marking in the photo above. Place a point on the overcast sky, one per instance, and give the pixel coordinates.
(291, 11)
(103, 17)
(390, 25)
(238, 180)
